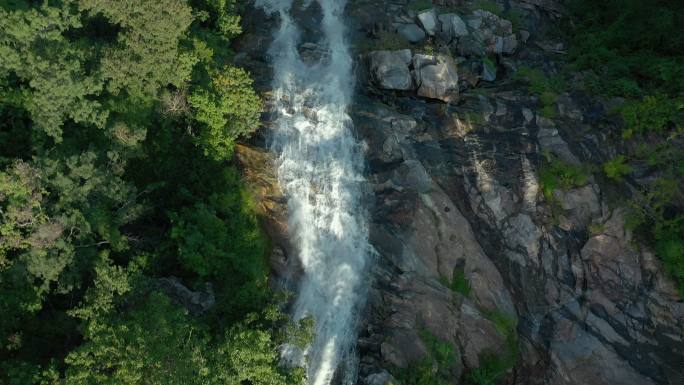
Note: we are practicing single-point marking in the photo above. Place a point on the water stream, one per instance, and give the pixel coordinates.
(320, 168)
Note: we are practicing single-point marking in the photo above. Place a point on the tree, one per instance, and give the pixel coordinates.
(227, 109)
(47, 72)
(248, 355)
(116, 121)
(220, 239)
(55, 213)
(153, 342)
(147, 55)
(221, 16)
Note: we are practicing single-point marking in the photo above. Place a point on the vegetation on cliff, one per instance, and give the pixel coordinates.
(117, 122)
(633, 50)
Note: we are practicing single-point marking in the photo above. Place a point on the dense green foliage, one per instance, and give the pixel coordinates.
(228, 107)
(616, 168)
(555, 174)
(654, 113)
(635, 46)
(546, 89)
(117, 125)
(633, 50)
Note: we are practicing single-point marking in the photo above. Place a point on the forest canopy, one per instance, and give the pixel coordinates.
(117, 126)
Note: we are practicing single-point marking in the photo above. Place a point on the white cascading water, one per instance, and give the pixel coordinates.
(320, 169)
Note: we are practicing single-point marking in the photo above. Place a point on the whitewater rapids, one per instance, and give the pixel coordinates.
(320, 169)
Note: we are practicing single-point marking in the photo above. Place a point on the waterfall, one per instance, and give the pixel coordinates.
(320, 169)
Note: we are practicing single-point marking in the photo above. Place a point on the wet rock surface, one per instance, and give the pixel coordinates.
(453, 165)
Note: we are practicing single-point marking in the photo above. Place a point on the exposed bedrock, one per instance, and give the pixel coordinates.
(465, 235)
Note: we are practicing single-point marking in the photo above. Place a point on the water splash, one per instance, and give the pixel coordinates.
(320, 169)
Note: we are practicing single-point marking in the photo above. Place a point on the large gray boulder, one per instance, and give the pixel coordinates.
(471, 46)
(197, 302)
(428, 19)
(411, 32)
(436, 77)
(381, 378)
(390, 69)
(452, 26)
(491, 31)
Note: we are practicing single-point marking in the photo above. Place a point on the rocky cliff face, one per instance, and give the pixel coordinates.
(465, 238)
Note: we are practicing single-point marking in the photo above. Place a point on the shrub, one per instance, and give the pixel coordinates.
(429, 49)
(655, 220)
(516, 17)
(301, 334)
(473, 118)
(493, 367)
(504, 323)
(649, 206)
(548, 112)
(548, 98)
(433, 369)
(596, 228)
(556, 174)
(616, 168)
(654, 113)
(669, 245)
(538, 82)
(491, 370)
(546, 87)
(459, 282)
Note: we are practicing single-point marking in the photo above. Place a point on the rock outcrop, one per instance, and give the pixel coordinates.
(452, 26)
(453, 165)
(436, 77)
(411, 32)
(390, 69)
(428, 20)
(197, 302)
